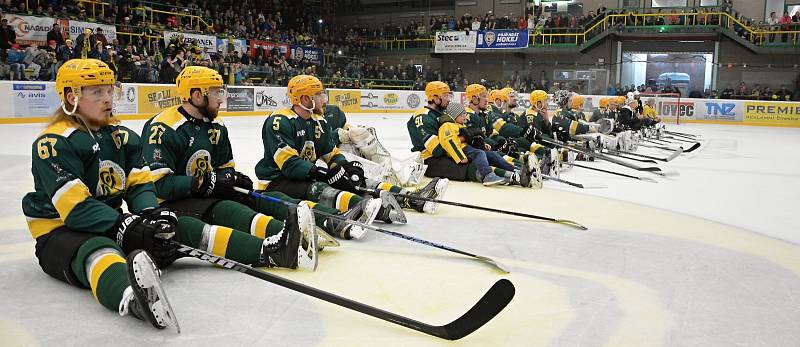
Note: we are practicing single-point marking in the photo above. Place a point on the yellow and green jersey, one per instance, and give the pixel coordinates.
(336, 119)
(448, 136)
(423, 128)
(80, 181)
(179, 147)
(569, 120)
(292, 145)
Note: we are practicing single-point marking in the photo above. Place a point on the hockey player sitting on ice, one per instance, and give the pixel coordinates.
(84, 164)
(423, 129)
(629, 117)
(360, 144)
(567, 123)
(465, 145)
(649, 112)
(508, 137)
(538, 116)
(294, 138)
(602, 111)
(189, 151)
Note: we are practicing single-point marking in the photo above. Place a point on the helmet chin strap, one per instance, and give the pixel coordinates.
(74, 113)
(313, 106)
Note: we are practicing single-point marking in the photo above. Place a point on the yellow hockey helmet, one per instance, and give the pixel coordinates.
(196, 77)
(436, 88)
(303, 85)
(473, 90)
(538, 96)
(603, 102)
(78, 73)
(576, 102)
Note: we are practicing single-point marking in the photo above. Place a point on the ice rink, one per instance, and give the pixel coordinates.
(709, 258)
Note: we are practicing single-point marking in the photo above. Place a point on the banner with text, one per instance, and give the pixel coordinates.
(283, 49)
(312, 55)
(270, 98)
(30, 29)
(155, 98)
(502, 39)
(76, 28)
(455, 42)
(207, 42)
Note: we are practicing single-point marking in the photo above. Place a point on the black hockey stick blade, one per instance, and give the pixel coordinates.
(494, 301)
(648, 179)
(617, 154)
(574, 184)
(696, 145)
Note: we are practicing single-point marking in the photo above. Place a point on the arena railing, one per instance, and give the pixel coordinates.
(553, 36)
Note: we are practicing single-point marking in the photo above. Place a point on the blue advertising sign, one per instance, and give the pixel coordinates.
(310, 54)
(502, 39)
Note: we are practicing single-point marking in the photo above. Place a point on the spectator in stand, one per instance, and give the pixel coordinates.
(30, 62)
(743, 89)
(16, 62)
(783, 94)
(727, 93)
(786, 25)
(8, 37)
(64, 53)
(55, 35)
(756, 92)
(773, 22)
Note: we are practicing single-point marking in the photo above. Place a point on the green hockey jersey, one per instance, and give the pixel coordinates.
(336, 120)
(179, 147)
(292, 145)
(423, 128)
(80, 181)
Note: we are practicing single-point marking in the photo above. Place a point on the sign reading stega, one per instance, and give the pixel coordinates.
(456, 41)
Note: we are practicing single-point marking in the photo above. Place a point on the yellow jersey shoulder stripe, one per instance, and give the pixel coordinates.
(327, 157)
(68, 196)
(285, 112)
(42, 226)
(63, 128)
(170, 117)
(283, 154)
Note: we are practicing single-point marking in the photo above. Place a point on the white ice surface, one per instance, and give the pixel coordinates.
(678, 282)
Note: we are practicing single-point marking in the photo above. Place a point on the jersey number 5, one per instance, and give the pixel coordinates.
(156, 131)
(46, 147)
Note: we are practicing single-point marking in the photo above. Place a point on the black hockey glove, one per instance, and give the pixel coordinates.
(318, 173)
(216, 185)
(135, 232)
(160, 214)
(339, 179)
(355, 172)
(560, 132)
(477, 142)
(242, 181)
(532, 134)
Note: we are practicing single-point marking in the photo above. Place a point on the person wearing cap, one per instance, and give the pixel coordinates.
(16, 62)
(464, 145)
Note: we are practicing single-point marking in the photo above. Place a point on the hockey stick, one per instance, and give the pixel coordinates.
(488, 209)
(672, 156)
(574, 184)
(696, 145)
(384, 231)
(494, 301)
(616, 154)
(686, 135)
(604, 157)
(679, 139)
(616, 173)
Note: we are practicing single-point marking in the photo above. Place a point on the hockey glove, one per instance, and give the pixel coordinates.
(355, 172)
(216, 185)
(135, 232)
(532, 134)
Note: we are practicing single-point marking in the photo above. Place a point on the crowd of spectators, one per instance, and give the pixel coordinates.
(150, 60)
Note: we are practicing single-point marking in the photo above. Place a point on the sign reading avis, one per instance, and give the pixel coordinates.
(208, 42)
(455, 42)
(502, 39)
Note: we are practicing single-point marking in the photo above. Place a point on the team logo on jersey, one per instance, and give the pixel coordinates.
(489, 38)
(111, 179)
(199, 163)
(309, 153)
